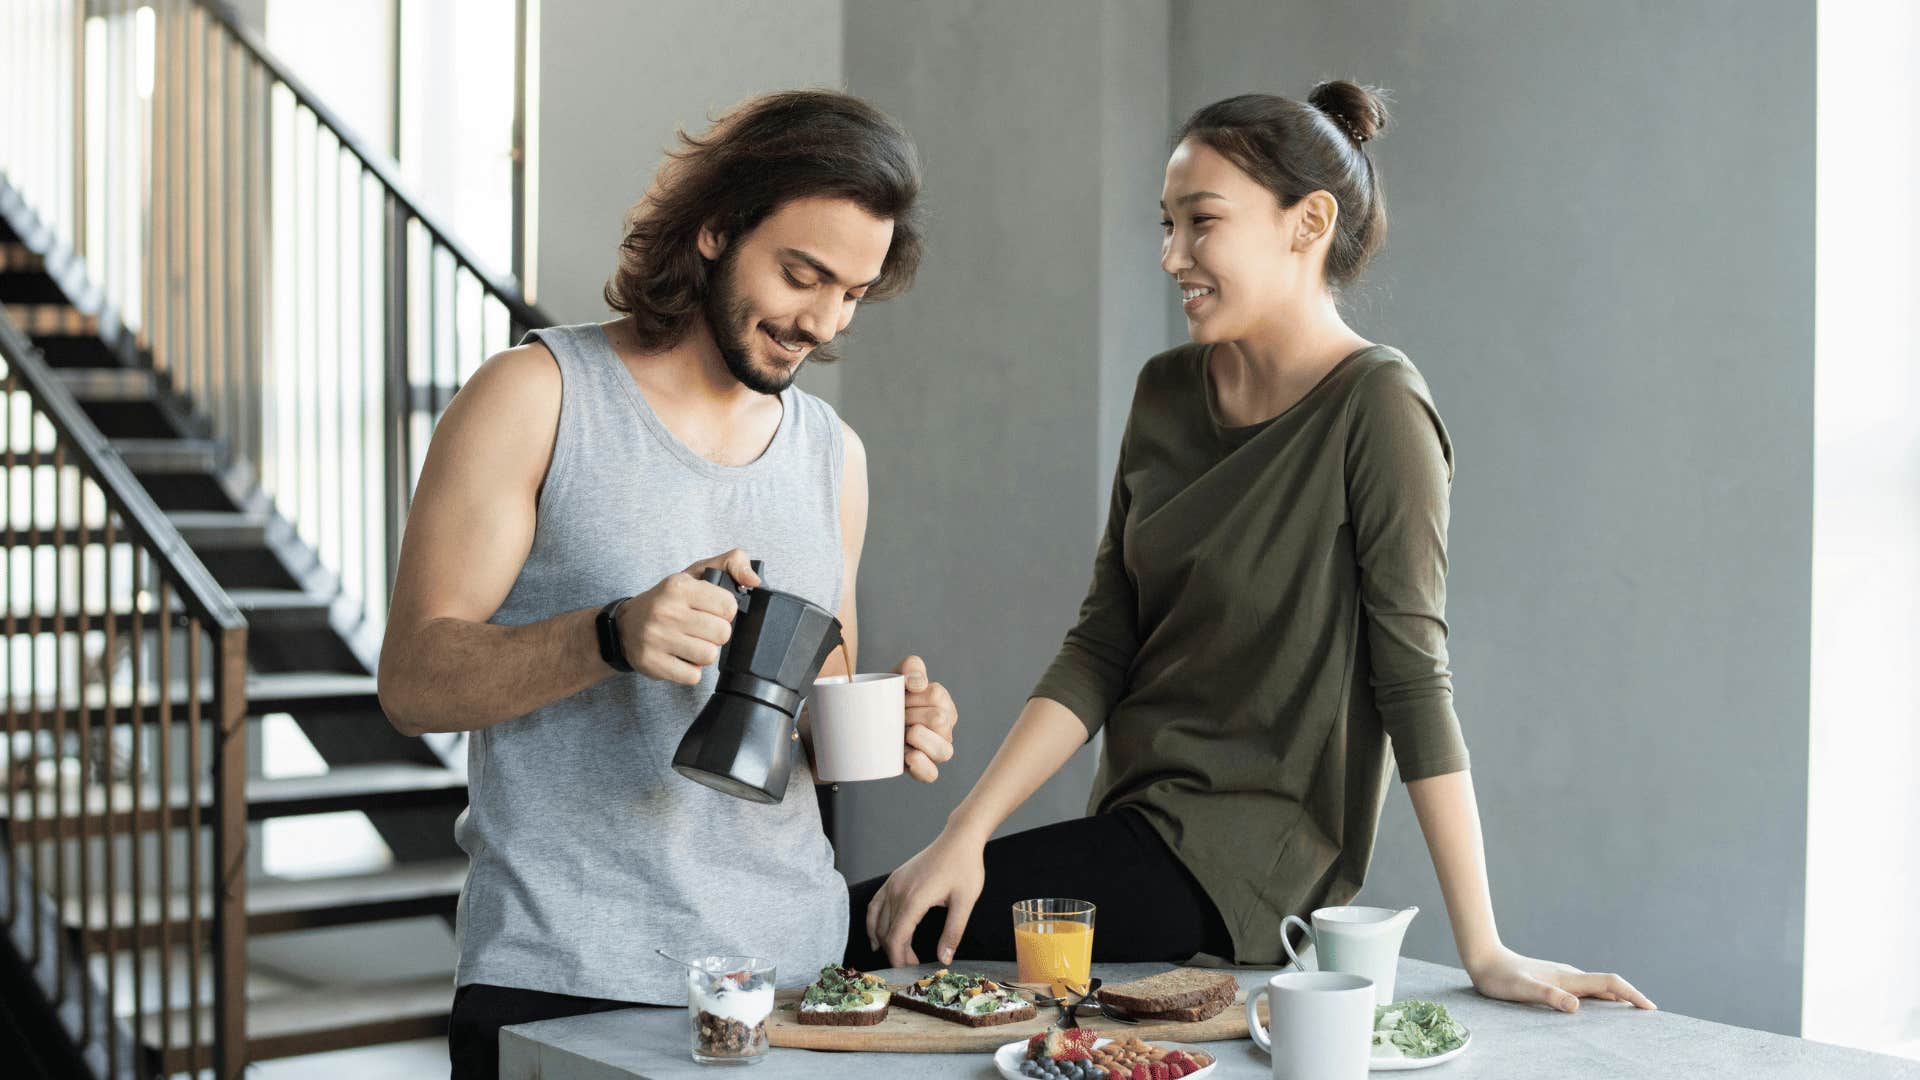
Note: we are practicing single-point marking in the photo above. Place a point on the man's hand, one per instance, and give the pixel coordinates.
(930, 720)
(673, 630)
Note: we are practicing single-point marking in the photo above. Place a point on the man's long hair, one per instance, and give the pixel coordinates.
(762, 154)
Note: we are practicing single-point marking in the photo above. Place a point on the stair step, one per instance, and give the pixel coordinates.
(172, 455)
(398, 892)
(29, 287)
(297, 693)
(390, 786)
(314, 1021)
(282, 609)
(75, 351)
(220, 530)
(108, 384)
(304, 692)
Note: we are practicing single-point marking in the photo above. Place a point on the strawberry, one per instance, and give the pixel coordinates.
(1160, 1070)
(1175, 1069)
(1071, 1044)
(1140, 1073)
(1180, 1058)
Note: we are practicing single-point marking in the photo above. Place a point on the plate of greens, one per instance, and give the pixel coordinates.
(1416, 1035)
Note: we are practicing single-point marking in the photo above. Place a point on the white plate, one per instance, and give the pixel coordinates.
(1396, 1064)
(1009, 1057)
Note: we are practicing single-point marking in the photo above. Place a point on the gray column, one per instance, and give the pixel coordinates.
(990, 397)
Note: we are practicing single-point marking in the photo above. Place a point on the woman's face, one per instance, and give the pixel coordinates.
(1228, 245)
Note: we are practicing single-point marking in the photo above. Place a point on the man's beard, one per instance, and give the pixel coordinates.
(728, 317)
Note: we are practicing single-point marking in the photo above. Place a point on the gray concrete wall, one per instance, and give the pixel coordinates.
(1602, 259)
(986, 396)
(616, 79)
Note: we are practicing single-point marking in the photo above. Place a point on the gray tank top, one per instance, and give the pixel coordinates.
(588, 851)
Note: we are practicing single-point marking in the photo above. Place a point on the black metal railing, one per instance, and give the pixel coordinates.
(126, 758)
(265, 259)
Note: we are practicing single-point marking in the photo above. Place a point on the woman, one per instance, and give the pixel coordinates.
(1267, 616)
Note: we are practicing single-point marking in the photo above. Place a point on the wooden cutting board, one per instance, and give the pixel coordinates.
(906, 1031)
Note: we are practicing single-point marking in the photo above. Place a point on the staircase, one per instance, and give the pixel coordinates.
(240, 488)
(305, 659)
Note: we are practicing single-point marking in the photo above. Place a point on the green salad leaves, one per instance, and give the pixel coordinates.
(1416, 1029)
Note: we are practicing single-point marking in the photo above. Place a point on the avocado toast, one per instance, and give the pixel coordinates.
(843, 997)
(973, 1000)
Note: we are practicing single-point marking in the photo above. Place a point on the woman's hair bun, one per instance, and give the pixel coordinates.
(1361, 111)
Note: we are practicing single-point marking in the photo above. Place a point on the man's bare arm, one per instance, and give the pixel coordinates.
(442, 666)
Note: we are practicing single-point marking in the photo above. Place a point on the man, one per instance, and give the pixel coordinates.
(573, 493)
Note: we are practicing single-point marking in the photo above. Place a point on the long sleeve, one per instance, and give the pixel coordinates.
(1399, 469)
(1090, 672)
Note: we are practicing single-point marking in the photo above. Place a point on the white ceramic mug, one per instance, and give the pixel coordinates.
(1355, 940)
(1320, 1028)
(859, 727)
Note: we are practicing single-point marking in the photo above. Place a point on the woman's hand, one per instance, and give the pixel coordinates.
(1509, 976)
(948, 872)
(930, 719)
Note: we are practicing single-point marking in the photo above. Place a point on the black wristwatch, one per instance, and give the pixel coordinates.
(608, 624)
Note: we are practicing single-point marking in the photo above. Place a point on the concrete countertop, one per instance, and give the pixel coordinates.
(1603, 1041)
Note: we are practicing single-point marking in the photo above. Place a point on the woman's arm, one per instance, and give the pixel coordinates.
(1450, 819)
(949, 872)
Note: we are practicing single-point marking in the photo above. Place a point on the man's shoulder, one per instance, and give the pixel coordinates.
(528, 373)
(831, 420)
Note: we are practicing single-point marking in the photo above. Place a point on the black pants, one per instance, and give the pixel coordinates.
(480, 1011)
(1148, 906)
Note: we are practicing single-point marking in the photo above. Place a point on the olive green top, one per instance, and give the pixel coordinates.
(1266, 626)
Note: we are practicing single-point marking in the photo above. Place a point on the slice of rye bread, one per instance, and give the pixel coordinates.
(1181, 988)
(1206, 1011)
(845, 1017)
(1026, 1011)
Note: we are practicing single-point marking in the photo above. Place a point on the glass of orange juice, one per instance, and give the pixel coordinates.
(1053, 941)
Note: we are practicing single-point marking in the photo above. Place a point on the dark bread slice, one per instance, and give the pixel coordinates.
(1206, 1011)
(1026, 1011)
(1181, 988)
(846, 1017)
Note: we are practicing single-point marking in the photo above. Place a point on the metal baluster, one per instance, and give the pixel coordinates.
(107, 785)
(194, 879)
(163, 683)
(37, 717)
(336, 385)
(230, 853)
(396, 404)
(59, 716)
(84, 725)
(136, 762)
(12, 625)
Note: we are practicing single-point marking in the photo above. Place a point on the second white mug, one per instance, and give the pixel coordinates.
(1321, 1025)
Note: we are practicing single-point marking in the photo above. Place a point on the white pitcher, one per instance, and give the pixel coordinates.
(1355, 940)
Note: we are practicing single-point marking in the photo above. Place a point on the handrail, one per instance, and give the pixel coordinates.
(146, 523)
(380, 165)
(44, 818)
